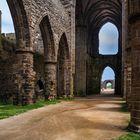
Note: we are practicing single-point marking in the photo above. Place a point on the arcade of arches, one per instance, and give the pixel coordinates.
(72, 64)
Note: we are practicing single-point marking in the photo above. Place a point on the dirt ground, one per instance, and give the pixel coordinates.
(91, 118)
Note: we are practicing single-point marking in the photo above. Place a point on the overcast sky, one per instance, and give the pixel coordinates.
(108, 36)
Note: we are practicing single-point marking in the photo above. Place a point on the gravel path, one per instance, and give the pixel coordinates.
(93, 118)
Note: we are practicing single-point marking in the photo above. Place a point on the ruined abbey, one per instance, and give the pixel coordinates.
(68, 59)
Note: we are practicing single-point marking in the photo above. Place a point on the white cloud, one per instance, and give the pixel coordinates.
(7, 23)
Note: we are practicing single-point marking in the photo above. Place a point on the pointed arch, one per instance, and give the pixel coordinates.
(107, 77)
(48, 40)
(108, 39)
(63, 46)
(20, 21)
(112, 73)
(63, 68)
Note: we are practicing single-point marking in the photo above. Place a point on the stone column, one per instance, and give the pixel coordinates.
(81, 53)
(134, 42)
(50, 79)
(135, 95)
(124, 46)
(25, 77)
(67, 78)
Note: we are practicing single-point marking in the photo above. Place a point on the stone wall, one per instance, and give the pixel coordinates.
(90, 17)
(54, 19)
(134, 43)
(7, 59)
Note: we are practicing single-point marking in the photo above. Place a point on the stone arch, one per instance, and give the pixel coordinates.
(108, 82)
(63, 68)
(21, 24)
(104, 84)
(116, 81)
(48, 39)
(90, 16)
(22, 68)
(49, 57)
(93, 35)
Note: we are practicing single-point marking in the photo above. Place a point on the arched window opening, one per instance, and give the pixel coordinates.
(108, 81)
(108, 39)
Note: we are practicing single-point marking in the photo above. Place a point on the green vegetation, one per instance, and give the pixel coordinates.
(11, 110)
(7, 110)
(124, 107)
(109, 87)
(129, 136)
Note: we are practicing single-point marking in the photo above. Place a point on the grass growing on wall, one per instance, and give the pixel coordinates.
(11, 110)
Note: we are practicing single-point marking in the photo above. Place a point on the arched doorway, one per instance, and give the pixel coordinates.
(108, 81)
(109, 85)
(91, 18)
(63, 68)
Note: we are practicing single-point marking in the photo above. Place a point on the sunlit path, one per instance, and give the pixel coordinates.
(94, 118)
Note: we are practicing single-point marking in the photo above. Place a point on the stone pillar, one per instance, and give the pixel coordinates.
(25, 77)
(50, 79)
(118, 82)
(67, 79)
(81, 53)
(134, 42)
(124, 46)
(135, 95)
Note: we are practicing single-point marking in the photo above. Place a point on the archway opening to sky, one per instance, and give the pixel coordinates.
(108, 39)
(109, 85)
(108, 81)
(6, 18)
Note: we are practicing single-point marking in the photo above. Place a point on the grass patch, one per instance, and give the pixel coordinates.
(11, 110)
(129, 136)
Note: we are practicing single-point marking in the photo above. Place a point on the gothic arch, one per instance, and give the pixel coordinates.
(49, 57)
(48, 39)
(21, 24)
(101, 46)
(63, 68)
